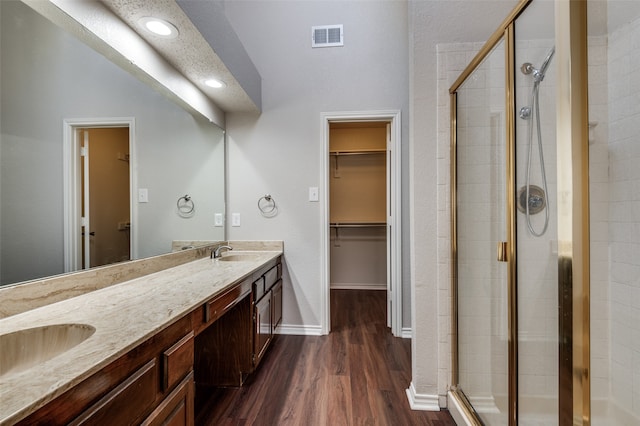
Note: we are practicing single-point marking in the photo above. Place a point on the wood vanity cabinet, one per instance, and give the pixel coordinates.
(148, 385)
(222, 354)
(218, 344)
(231, 348)
(267, 312)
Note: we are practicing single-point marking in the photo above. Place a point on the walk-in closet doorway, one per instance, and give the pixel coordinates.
(361, 226)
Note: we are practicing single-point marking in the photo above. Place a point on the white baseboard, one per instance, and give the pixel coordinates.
(422, 402)
(357, 286)
(299, 330)
(316, 330)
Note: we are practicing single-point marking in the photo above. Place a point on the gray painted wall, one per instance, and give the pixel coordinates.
(280, 152)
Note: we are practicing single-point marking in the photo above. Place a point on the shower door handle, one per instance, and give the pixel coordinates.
(502, 251)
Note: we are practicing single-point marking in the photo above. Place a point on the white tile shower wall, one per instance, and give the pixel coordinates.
(599, 214)
(452, 59)
(539, 363)
(482, 324)
(537, 256)
(624, 215)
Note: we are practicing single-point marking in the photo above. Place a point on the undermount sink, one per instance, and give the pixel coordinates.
(239, 257)
(28, 347)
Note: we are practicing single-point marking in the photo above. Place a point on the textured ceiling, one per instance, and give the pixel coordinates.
(189, 53)
(435, 22)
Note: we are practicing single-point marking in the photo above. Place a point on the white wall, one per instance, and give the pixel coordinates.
(358, 258)
(599, 215)
(48, 76)
(537, 262)
(280, 152)
(624, 215)
(614, 104)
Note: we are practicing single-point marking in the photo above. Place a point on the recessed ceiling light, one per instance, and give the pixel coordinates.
(159, 27)
(216, 84)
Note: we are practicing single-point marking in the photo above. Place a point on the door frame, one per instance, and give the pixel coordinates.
(394, 219)
(72, 179)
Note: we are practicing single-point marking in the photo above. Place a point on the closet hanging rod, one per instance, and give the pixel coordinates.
(358, 225)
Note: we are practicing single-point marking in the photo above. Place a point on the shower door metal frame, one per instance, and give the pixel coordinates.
(507, 250)
(572, 211)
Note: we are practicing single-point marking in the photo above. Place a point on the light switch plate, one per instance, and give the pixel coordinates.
(235, 219)
(313, 193)
(218, 220)
(143, 195)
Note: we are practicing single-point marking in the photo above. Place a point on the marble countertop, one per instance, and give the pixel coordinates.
(124, 315)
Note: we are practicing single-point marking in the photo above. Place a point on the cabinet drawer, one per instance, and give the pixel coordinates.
(177, 361)
(125, 404)
(215, 308)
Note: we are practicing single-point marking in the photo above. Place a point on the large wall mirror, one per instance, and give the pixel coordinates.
(53, 84)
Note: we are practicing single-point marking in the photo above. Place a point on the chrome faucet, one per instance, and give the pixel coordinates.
(215, 253)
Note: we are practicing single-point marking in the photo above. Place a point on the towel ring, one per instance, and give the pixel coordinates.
(185, 205)
(267, 205)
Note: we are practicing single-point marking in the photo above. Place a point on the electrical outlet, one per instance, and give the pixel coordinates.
(218, 220)
(235, 219)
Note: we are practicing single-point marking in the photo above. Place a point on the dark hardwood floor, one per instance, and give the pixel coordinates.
(357, 375)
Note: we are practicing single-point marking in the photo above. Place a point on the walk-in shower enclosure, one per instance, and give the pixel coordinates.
(545, 213)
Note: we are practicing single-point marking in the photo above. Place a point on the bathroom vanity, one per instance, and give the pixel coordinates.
(151, 340)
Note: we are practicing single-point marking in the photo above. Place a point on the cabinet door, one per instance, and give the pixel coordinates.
(177, 361)
(276, 305)
(262, 328)
(177, 409)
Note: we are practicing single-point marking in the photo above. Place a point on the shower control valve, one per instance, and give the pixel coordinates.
(525, 112)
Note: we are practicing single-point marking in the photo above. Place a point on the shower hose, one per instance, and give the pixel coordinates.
(536, 117)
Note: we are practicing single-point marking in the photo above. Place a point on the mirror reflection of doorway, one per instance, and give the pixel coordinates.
(106, 222)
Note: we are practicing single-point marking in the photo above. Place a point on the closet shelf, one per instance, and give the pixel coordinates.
(356, 224)
(357, 152)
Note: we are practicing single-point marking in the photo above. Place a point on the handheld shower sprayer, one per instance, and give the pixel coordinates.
(538, 75)
(531, 113)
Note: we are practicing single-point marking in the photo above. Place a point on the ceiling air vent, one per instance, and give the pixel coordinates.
(327, 36)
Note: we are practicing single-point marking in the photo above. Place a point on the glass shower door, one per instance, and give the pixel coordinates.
(481, 224)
